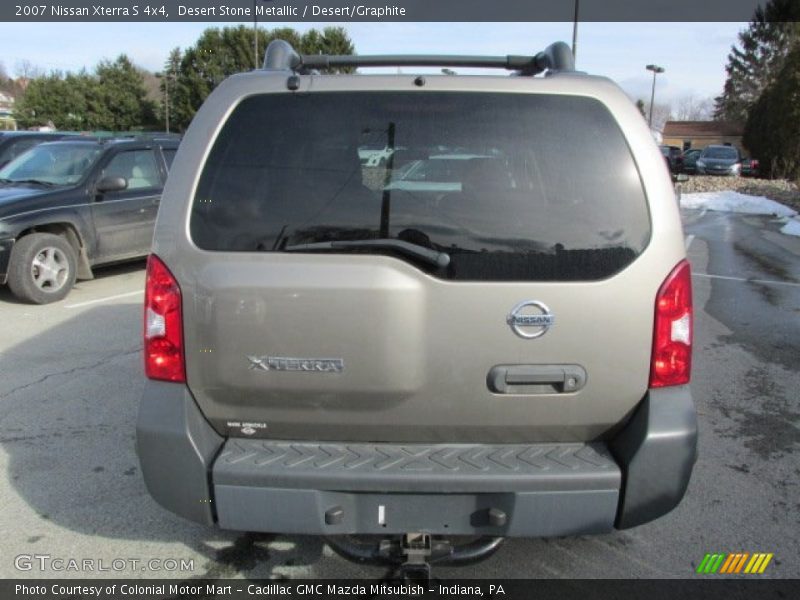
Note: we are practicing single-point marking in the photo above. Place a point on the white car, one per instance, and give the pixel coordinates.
(439, 173)
(374, 155)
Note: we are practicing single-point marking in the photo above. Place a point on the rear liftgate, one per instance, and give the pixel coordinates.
(413, 553)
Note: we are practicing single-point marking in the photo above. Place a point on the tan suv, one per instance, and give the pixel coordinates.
(490, 335)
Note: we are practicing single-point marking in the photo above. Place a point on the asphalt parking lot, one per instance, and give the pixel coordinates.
(70, 485)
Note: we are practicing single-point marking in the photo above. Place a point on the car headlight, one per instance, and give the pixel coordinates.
(736, 167)
(700, 164)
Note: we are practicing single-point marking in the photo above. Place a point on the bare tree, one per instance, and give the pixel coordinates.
(152, 84)
(685, 108)
(692, 108)
(661, 113)
(25, 69)
(6, 83)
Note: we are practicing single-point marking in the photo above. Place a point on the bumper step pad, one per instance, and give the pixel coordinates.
(438, 468)
(295, 487)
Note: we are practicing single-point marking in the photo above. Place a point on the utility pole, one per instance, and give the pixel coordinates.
(166, 99)
(165, 77)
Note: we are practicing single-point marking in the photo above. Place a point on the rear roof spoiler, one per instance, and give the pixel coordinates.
(281, 56)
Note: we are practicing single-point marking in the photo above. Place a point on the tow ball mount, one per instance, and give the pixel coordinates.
(417, 552)
(413, 554)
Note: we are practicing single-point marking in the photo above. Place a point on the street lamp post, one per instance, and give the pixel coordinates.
(656, 70)
(255, 36)
(575, 34)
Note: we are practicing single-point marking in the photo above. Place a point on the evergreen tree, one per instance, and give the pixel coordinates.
(220, 53)
(54, 98)
(754, 65)
(332, 40)
(772, 131)
(640, 106)
(123, 96)
(113, 98)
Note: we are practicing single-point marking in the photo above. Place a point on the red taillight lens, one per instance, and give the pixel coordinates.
(671, 363)
(163, 324)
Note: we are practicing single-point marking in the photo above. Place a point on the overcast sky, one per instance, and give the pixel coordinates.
(693, 54)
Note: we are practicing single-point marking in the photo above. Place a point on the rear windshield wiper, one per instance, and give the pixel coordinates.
(434, 257)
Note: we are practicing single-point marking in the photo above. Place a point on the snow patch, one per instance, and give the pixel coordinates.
(791, 228)
(729, 201)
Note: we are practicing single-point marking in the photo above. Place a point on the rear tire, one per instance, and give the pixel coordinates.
(42, 268)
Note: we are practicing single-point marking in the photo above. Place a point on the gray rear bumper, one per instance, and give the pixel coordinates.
(657, 450)
(335, 488)
(338, 488)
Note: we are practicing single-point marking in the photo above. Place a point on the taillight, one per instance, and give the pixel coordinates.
(671, 363)
(163, 324)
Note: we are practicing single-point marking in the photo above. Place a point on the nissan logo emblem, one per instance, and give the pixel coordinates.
(530, 319)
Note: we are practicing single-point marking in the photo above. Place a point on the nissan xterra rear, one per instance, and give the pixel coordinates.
(488, 335)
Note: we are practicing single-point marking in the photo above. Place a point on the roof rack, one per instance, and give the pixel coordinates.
(281, 56)
(132, 135)
(110, 137)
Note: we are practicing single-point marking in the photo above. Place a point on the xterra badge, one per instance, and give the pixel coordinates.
(305, 365)
(530, 319)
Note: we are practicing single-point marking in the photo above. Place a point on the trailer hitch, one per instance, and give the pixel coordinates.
(417, 551)
(412, 554)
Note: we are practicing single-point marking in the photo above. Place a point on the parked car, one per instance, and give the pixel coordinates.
(15, 143)
(71, 205)
(673, 156)
(719, 160)
(375, 155)
(689, 163)
(329, 358)
(442, 172)
(750, 167)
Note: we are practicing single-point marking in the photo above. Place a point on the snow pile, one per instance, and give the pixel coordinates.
(791, 228)
(735, 202)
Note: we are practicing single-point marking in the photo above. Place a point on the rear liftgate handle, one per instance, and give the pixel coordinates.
(536, 379)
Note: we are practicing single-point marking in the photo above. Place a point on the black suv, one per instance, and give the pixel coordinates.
(70, 205)
(16, 143)
(674, 158)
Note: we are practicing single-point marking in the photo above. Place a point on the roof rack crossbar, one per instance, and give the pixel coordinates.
(556, 57)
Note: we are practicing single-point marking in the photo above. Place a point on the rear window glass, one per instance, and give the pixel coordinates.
(509, 186)
(13, 150)
(721, 152)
